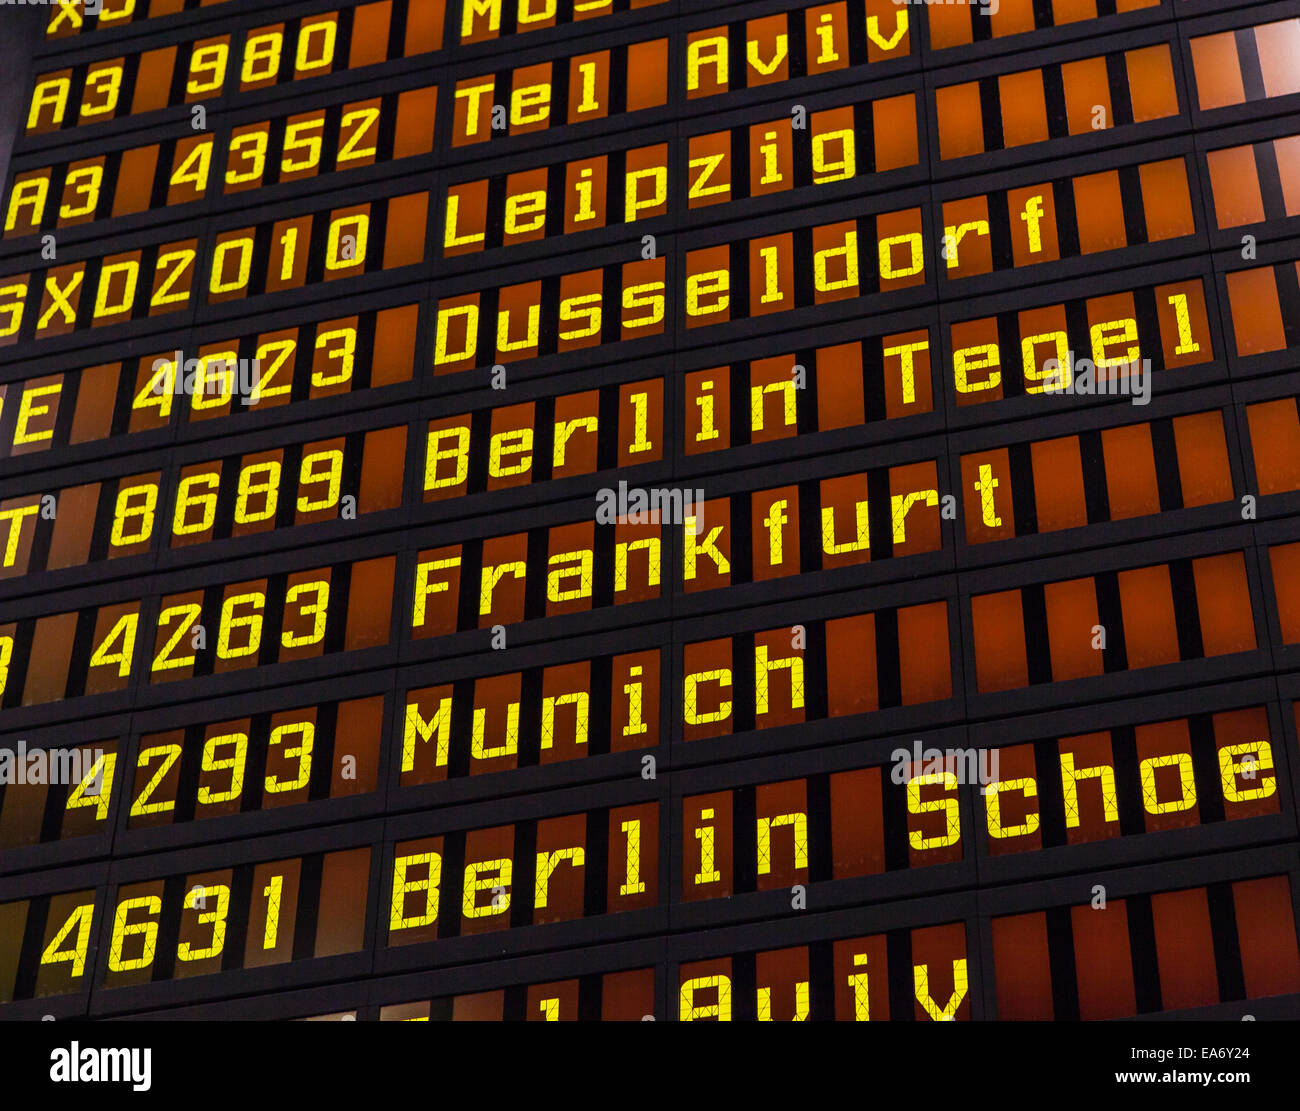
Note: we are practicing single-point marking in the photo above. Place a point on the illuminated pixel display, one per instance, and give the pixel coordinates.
(547, 510)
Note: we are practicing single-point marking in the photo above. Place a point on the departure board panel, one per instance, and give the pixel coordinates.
(608, 510)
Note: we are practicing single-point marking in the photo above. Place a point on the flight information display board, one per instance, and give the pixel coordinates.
(752, 511)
